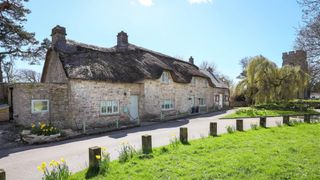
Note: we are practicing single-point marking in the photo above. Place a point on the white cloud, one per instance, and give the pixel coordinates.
(199, 1)
(147, 3)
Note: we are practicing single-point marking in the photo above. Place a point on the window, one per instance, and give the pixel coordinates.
(109, 107)
(193, 81)
(165, 77)
(202, 102)
(40, 106)
(167, 105)
(217, 98)
(225, 98)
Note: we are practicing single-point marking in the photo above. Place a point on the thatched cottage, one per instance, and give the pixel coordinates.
(101, 87)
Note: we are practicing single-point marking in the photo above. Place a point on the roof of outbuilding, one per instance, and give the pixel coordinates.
(82, 61)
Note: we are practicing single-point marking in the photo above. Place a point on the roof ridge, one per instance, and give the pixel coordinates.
(89, 46)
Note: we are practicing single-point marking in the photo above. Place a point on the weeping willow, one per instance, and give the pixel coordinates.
(265, 82)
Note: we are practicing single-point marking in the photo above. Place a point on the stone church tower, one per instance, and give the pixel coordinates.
(297, 58)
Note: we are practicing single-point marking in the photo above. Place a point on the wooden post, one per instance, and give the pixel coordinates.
(213, 129)
(307, 118)
(263, 122)
(93, 153)
(286, 120)
(2, 174)
(184, 135)
(146, 144)
(239, 125)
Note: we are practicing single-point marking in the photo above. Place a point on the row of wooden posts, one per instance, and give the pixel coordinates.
(147, 140)
(183, 136)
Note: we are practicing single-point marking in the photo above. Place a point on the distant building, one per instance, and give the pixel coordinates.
(297, 58)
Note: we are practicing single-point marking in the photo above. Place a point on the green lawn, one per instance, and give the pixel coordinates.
(275, 153)
(253, 112)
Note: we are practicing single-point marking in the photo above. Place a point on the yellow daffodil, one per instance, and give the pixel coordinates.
(103, 148)
(62, 160)
(33, 125)
(54, 163)
(43, 126)
(44, 164)
(98, 157)
(39, 168)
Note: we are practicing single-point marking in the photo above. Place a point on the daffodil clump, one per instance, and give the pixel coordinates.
(43, 129)
(126, 152)
(174, 141)
(57, 170)
(104, 163)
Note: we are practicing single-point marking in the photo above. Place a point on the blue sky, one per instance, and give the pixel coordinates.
(219, 31)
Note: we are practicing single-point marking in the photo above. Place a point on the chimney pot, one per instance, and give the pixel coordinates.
(58, 33)
(122, 40)
(191, 61)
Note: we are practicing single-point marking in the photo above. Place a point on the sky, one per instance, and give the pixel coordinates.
(218, 31)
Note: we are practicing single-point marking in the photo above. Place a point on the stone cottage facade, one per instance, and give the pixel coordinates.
(85, 85)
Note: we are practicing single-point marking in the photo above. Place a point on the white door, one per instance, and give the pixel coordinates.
(133, 108)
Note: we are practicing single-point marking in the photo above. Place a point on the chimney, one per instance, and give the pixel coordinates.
(122, 41)
(191, 60)
(58, 34)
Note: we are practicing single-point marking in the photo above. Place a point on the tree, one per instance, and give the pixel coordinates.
(27, 75)
(15, 41)
(264, 82)
(208, 66)
(243, 62)
(308, 39)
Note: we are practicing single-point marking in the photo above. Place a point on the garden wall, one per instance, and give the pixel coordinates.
(24, 93)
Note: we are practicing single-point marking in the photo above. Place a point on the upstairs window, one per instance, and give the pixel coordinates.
(40, 106)
(202, 102)
(165, 78)
(167, 104)
(109, 107)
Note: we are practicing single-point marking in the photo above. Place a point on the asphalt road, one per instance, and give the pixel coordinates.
(21, 163)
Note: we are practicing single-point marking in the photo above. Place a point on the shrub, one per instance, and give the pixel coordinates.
(126, 152)
(58, 171)
(230, 129)
(43, 129)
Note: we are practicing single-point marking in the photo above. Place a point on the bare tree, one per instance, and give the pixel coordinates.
(27, 75)
(210, 66)
(8, 71)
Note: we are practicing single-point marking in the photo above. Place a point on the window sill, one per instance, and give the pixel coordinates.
(113, 114)
(167, 109)
(40, 112)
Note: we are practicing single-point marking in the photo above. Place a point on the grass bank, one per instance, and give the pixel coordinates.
(275, 153)
(254, 112)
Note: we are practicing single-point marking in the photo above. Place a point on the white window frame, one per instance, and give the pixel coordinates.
(39, 100)
(165, 77)
(169, 103)
(202, 102)
(109, 103)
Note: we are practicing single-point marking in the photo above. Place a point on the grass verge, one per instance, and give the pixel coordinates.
(253, 113)
(274, 153)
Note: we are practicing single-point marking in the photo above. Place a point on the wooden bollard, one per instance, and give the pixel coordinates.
(263, 122)
(239, 125)
(184, 135)
(93, 153)
(213, 129)
(307, 118)
(2, 174)
(286, 120)
(146, 144)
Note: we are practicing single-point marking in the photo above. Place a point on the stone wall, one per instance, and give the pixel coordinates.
(85, 99)
(24, 93)
(55, 72)
(180, 93)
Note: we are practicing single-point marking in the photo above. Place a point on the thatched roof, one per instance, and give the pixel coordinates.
(215, 80)
(82, 61)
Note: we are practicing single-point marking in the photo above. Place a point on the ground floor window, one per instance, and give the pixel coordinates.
(109, 107)
(225, 98)
(167, 104)
(202, 102)
(40, 105)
